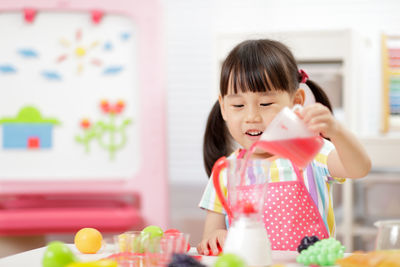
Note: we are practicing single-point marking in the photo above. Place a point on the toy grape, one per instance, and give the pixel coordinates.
(306, 242)
(184, 260)
(324, 253)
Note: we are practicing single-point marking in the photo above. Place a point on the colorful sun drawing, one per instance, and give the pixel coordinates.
(79, 51)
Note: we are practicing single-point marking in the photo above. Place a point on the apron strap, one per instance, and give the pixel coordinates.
(299, 173)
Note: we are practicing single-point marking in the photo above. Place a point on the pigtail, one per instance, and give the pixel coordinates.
(217, 141)
(319, 94)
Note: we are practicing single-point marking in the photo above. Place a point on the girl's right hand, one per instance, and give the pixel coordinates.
(213, 243)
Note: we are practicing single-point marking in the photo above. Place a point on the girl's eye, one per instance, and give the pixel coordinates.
(238, 106)
(265, 104)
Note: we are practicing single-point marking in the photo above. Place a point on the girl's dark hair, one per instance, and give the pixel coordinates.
(252, 66)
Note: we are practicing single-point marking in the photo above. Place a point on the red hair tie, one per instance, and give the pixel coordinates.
(304, 76)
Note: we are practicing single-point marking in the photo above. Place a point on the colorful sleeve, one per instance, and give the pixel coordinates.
(209, 200)
(321, 163)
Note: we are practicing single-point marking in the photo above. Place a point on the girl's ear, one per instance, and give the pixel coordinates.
(299, 97)
(222, 106)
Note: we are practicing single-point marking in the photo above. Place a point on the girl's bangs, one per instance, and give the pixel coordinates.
(258, 66)
(251, 80)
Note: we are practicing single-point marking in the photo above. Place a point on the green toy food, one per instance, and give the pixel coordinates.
(57, 254)
(324, 253)
(229, 260)
(153, 230)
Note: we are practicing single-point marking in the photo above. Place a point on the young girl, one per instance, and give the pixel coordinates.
(258, 79)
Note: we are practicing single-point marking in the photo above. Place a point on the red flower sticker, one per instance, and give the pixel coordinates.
(85, 124)
(113, 109)
(105, 106)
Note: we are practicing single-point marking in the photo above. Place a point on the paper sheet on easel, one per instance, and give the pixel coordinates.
(69, 97)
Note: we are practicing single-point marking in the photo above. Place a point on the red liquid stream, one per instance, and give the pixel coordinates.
(299, 150)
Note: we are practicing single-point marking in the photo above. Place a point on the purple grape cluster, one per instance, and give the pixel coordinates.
(184, 260)
(306, 242)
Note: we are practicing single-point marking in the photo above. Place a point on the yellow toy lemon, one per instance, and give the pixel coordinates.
(88, 240)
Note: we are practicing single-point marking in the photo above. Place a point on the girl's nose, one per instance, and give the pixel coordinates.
(253, 115)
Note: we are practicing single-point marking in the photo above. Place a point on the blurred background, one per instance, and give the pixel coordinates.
(349, 47)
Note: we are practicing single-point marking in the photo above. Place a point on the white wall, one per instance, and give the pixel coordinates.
(189, 35)
(192, 28)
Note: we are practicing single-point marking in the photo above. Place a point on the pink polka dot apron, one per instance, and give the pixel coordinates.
(290, 213)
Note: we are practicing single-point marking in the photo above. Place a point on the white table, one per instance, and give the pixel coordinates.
(33, 258)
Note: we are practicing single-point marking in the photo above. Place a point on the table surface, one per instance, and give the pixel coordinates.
(33, 258)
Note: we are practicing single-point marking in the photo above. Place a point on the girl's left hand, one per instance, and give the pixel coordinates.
(319, 119)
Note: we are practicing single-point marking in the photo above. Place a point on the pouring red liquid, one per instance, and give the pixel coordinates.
(288, 137)
(299, 150)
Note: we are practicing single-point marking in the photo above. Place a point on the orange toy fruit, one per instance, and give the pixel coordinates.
(88, 240)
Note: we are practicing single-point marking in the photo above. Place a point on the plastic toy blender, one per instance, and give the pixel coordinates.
(247, 236)
(288, 137)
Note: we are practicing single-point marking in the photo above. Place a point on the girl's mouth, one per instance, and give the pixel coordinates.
(254, 133)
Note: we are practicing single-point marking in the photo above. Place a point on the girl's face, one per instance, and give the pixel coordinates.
(248, 114)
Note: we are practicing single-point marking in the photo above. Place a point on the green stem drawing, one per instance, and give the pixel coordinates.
(88, 136)
(108, 134)
(112, 131)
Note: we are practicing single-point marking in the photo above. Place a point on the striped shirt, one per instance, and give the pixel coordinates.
(317, 180)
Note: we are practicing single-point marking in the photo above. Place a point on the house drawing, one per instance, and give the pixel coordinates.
(28, 130)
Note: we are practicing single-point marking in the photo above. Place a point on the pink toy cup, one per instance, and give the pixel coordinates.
(127, 259)
(287, 136)
(159, 250)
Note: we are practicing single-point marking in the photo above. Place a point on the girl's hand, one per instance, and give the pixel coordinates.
(349, 159)
(212, 244)
(319, 119)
